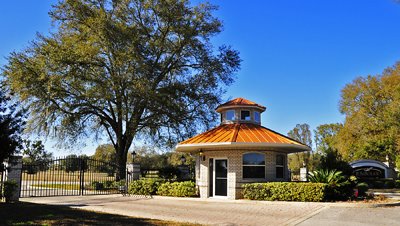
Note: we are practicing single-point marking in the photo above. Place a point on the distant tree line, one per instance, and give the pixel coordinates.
(371, 129)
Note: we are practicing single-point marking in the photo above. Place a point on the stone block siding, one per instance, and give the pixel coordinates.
(235, 176)
(14, 174)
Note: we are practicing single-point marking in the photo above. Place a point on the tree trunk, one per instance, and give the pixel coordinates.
(121, 153)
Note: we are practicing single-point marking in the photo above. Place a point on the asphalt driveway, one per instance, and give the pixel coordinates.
(229, 212)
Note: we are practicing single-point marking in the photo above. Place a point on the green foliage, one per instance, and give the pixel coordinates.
(331, 177)
(340, 186)
(122, 69)
(301, 133)
(96, 185)
(362, 188)
(37, 158)
(12, 124)
(9, 189)
(285, 191)
(169, 172)
(101, 185)
(389, 184)
(325, 137)
(146, 187)
(178, 189)
(332, 161)
(371, 106)
(73, 163)
(105, 153)
(397, 184)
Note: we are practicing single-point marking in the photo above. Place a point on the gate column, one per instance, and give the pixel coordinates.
(134, 171)
(14, 174)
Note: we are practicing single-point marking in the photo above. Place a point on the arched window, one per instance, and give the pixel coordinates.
(253, 165)
(280, 166)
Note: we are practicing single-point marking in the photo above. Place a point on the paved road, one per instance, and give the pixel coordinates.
(226, 212)
(335, 216)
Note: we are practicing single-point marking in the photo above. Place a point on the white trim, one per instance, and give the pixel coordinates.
(245, 120)
(215, 178)
(219, 109)
(291, 148)
(265, 165)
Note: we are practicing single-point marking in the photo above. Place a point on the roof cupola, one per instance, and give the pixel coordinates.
(240, 110)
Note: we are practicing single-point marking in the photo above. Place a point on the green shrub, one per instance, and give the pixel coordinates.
(144, 187)
(340, 187)
(362, 188)
(331, 177)
(285, 191)
(378, 184)
(108, 184)
(9, 189)
(397, 184)
(178, 189)
(389, 184)
(96, 185)
(169, 172)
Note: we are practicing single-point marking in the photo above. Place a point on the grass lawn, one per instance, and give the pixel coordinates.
(38, 214)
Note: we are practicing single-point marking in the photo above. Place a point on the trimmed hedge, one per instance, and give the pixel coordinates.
(285, 191)
(178, 189)
(144, 187)
(397, 184)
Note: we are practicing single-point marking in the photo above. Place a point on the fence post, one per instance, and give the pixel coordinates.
(303, 174)
(81, 175)
(14, 174)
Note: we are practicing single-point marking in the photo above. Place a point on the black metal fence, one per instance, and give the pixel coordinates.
(69, 176)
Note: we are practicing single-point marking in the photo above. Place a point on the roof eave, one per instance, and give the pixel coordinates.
(287, 148)
(221, 108)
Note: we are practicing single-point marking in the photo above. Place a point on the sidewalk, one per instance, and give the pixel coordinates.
(202, 211)
(205, 211)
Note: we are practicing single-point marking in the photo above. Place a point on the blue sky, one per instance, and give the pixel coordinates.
(297, 55)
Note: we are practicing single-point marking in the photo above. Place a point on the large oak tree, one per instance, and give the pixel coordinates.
(123, 68)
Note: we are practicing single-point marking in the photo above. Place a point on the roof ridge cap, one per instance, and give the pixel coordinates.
(236, 132)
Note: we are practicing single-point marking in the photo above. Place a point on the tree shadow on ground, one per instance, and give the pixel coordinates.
(23, 213)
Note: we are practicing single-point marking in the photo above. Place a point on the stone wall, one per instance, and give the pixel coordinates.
(14, 174)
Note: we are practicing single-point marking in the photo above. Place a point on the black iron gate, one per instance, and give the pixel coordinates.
(69, 176)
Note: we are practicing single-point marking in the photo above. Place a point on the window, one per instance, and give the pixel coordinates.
(257, 116)
(245, 115)
(280, 162)
(253, 165)
(230, 115)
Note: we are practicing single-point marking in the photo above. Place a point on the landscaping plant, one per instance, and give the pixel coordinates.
(178, 189)
(146, 187)
(9, 189)
(340, 186)
(285, 191)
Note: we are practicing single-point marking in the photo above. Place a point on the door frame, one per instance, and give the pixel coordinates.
(215, 178)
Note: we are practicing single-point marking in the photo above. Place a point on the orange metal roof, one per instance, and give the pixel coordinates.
(240, 102)
(241, 133)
